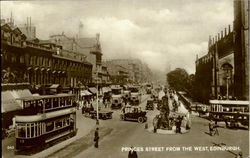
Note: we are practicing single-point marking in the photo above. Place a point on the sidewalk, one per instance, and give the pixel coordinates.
(84, 125)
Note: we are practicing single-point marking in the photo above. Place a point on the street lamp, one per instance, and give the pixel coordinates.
(228, 87)
(97, 104)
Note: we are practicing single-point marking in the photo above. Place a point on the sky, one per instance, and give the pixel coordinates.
(162, 33)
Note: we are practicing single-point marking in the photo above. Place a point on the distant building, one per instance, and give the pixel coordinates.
(90, 47)
(136, 71)
(28, 29)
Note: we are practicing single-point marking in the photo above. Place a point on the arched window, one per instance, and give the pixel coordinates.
(227, 74)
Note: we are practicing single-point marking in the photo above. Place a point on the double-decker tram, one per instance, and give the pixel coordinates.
(45, 119)
(232, 112)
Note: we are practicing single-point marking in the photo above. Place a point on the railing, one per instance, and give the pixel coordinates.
(186, 102)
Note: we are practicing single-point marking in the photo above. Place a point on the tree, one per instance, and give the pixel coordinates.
(178, 79)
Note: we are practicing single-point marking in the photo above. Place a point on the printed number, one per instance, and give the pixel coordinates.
(10, 147)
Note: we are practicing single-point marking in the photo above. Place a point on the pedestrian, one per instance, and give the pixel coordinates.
(178, 124)
(96, 138)
(212, 128)
(239, 155)
(132, 153)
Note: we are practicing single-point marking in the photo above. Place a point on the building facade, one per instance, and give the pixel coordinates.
(41, 63)
(224, 71)
(89, 47)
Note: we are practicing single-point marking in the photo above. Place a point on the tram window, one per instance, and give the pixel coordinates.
(49, 126)
(62, 102)
(28, 130)
(32, 130)
(55, 103)
(59, 124)
(21, 131)
(67, 121)
(47, 104)
(68, 101)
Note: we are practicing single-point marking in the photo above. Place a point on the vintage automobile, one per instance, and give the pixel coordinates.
(135, 98)
(150, 104)
(133, 114)
(126, 95)
(103, 114)
(116, 97)
(116, 101)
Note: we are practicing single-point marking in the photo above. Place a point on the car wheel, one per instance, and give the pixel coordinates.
(140, 120)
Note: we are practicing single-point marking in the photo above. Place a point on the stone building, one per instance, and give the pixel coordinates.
(90, 47)
(41, 63)
(137, 71)
(224, 71)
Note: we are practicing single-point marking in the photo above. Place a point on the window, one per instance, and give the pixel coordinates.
(34, 60)
(21, 59)
(13, 58)
(32, 130)
(28, 131)
(49, 126)
(21, 130)
(59, 123)
(55, 102)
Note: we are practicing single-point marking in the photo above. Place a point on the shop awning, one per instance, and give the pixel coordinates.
(106, 89)
(85, 93)
(93, 90)
(21, 93)
(8, 102)
(54, 86)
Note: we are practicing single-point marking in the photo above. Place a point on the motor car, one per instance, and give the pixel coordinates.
(103, 114)
(132, 113)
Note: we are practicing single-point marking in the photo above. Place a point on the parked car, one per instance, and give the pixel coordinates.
(103, 114)
(133, 114)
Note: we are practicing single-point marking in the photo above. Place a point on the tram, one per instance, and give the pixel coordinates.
(232, 112)
(45, 119)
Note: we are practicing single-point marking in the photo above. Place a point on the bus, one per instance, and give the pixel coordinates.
(45, 119)
(232, 112)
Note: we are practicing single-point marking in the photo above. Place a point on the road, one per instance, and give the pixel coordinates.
(127, 134)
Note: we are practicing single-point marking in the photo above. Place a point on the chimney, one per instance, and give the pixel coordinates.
(213, 40)
(229, 29)
(216, 39)
(225, 32)
(221, 34)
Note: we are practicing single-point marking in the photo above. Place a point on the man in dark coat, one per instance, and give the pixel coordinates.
(178, 124)
(96, 139)
(132, 153)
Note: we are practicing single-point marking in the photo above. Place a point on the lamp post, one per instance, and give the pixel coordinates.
(97, 104)
(228, 87)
